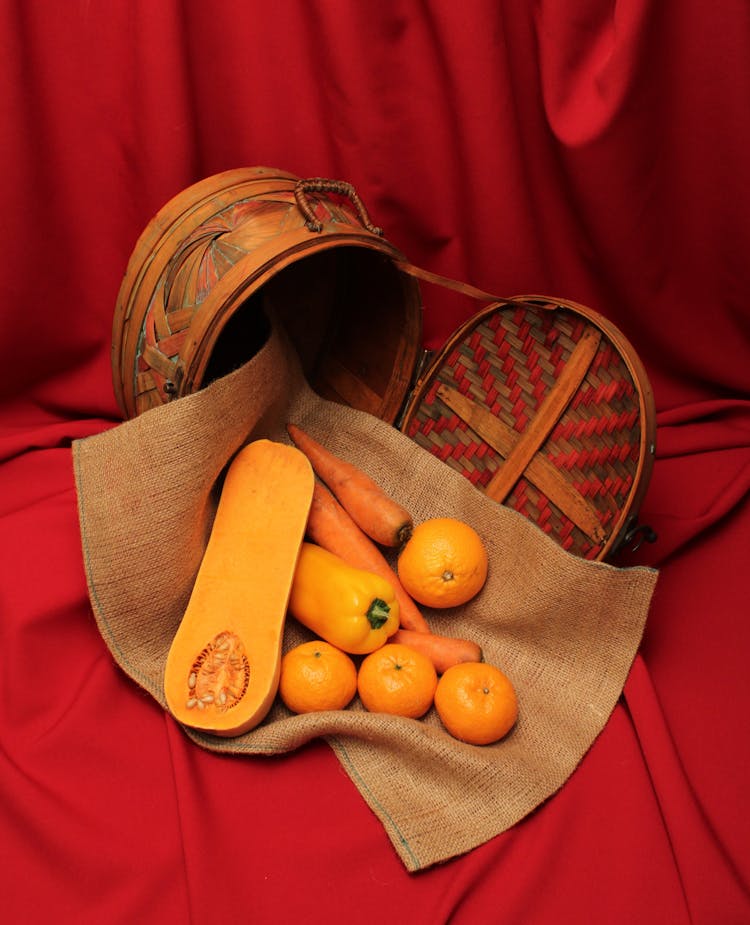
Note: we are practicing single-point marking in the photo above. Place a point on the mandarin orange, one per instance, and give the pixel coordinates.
(398, 680)
(444, 563)
(476, 702)
(317, 676)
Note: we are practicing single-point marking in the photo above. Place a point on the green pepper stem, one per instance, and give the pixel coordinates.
(377, 613)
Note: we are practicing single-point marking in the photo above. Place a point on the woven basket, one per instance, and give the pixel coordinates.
(226, 253)
(542, 403)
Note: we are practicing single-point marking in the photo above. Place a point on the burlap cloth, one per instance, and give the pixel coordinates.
(566, 631)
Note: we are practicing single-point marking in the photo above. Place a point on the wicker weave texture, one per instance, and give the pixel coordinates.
(217, 258)
(195, 269)
(508, 362)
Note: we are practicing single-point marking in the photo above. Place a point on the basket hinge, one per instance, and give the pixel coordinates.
(633, 536)
(422, 365)
(174, 381)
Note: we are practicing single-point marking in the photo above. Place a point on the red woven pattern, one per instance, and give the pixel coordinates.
(508, 362)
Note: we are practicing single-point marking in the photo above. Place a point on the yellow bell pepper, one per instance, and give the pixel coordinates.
(352, 609)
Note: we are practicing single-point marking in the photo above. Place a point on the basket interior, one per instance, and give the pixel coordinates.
(353, 318)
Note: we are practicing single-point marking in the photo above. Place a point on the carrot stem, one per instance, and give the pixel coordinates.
(377, 514)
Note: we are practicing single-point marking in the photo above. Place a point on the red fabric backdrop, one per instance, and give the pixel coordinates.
(591, 149)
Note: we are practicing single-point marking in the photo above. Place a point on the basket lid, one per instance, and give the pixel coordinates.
(543, 405)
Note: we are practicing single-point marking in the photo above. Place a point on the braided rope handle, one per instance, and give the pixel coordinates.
(341, 188)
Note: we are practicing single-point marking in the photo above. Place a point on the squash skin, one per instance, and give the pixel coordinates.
(222, 670)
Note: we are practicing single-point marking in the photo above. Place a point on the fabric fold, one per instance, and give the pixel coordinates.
(565, 630)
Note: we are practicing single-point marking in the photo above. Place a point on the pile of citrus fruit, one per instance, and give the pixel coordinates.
(442, 565)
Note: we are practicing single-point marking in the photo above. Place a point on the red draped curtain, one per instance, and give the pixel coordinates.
(595, 150)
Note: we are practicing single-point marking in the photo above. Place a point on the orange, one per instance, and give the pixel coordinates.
(317, 676)
(476, 703)
(398, 680)
(444, 563)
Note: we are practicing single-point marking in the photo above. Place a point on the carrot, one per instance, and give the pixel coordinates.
(370, 507)
(442, 651)
(330, 526)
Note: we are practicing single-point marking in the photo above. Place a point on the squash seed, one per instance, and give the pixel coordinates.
(220, 674)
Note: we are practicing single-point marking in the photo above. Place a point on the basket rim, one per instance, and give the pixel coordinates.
(157, 244)
(625, 351)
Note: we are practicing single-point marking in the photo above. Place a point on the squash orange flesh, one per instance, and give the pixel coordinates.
(223, 666)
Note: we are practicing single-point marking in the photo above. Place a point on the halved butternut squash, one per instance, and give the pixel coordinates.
(222, 670)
